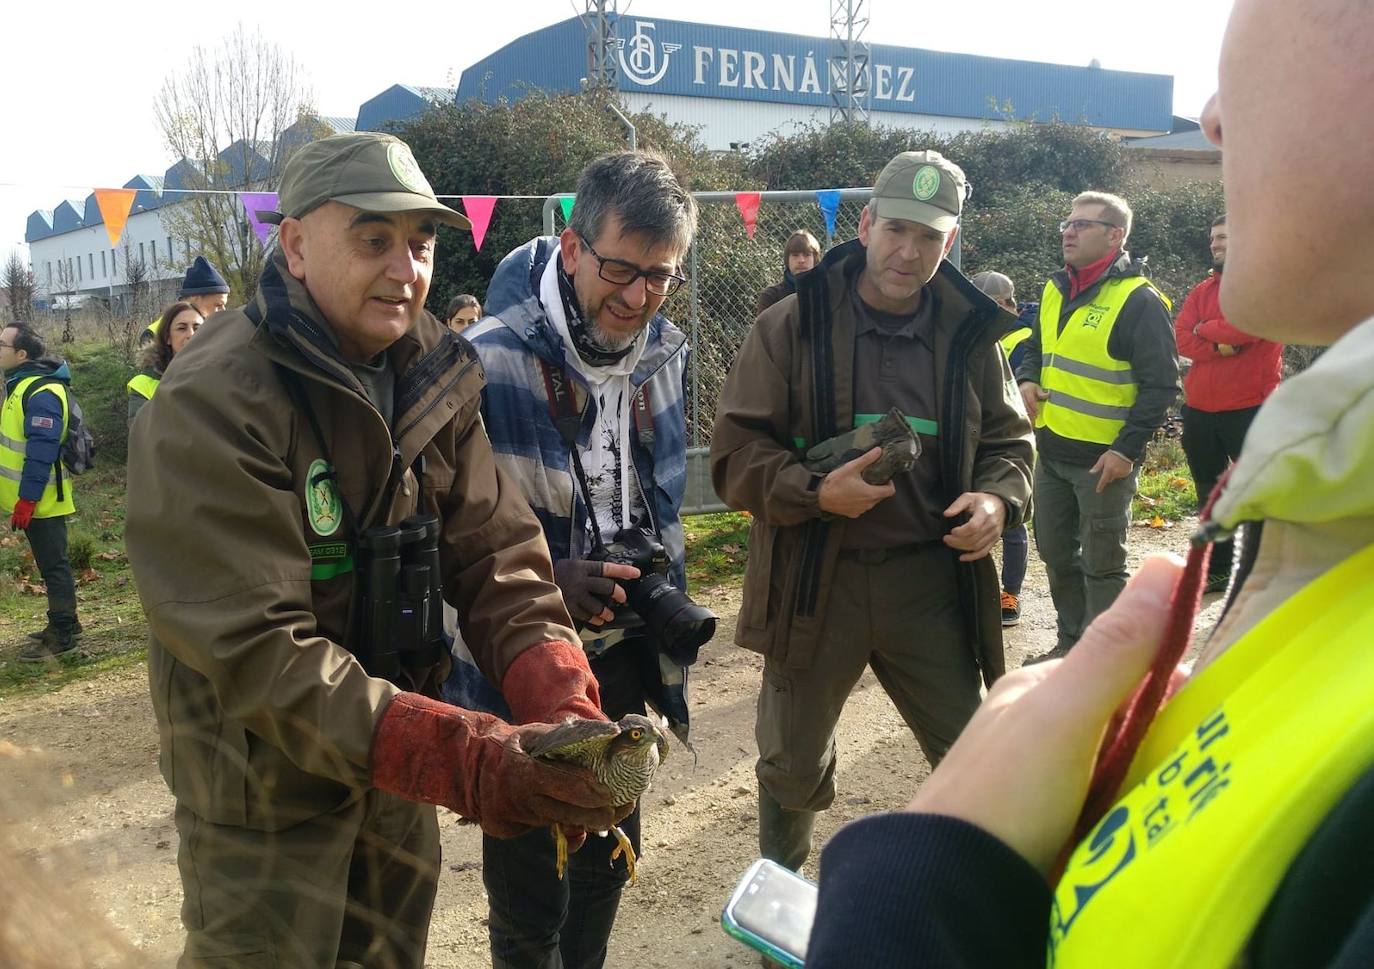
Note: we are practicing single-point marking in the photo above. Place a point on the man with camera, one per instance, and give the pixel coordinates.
(847, 568)
(584, 403)
(313, 476)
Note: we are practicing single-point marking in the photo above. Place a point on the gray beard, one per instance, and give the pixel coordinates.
(610, 342)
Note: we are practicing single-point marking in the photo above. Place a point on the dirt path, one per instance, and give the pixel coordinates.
(111, 816)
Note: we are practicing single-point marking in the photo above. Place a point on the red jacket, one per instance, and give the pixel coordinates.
(1214, 382)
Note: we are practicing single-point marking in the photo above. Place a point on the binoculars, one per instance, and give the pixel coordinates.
(400, 609)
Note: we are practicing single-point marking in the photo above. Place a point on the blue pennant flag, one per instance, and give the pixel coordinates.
(829, 200)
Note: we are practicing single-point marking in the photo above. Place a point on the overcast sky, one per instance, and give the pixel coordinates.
(79, 79)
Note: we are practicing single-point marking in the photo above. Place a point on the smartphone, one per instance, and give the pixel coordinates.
(772, 910)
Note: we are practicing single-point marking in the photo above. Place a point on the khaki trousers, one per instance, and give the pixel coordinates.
(354, 887)
(900, 616)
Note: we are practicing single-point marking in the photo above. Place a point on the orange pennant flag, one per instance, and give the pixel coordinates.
(115, 204)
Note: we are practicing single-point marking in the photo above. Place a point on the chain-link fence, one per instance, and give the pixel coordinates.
(726, 270)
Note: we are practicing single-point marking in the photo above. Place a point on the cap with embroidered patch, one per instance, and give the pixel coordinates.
(921, 186)
(367, 170)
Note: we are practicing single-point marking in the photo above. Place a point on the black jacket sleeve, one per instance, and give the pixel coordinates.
(1144, 335)
(923, 890)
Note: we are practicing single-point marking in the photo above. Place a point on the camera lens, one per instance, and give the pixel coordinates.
(681, 626)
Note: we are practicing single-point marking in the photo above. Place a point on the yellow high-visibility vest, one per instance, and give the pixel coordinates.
(144, 384)
(1090, 391)
(13, 440)
(1232, 779)
(1014, 339)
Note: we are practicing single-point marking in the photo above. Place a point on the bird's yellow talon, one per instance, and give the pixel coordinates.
(560, 841)
(623, 847)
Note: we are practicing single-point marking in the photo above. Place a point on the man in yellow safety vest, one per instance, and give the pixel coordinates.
(1098, 375)
(33, 490)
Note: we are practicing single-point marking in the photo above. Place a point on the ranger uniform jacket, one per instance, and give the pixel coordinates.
(793, 379)
(265, 717)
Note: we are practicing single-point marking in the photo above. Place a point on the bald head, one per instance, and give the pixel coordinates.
(1298, 167)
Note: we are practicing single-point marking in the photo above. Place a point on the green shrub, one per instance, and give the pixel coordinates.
(99, 376)
(80, 549)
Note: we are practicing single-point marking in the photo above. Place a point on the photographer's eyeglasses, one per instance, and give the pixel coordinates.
(624, 273)
(1078, 225)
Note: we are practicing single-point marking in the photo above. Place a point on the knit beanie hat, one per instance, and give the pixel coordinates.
(202, 278)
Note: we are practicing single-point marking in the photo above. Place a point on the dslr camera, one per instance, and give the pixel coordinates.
(680, 625)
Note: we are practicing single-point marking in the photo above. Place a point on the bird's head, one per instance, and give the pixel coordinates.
(639, 738)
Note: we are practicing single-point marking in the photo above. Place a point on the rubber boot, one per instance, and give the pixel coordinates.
(784, 834)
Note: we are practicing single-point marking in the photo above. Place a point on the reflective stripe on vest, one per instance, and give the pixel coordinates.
(1233, 778)
(13, 441)
(1014, 339)
(145, 385)
(1090, 391)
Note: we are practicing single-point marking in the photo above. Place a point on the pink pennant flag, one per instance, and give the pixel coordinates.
(255, 202)
(748, 205)
(115, 205)
(478, 210)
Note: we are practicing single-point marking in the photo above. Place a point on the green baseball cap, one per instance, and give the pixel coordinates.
(367, 170)
(921, 186)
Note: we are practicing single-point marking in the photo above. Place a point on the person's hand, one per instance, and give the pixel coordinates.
(23, 515)
(1226, 350)
(844, 492)
(475, 765)
(1031, 395)
(589, 588)
(1020, 770)
(1110, 467)
(987, 520)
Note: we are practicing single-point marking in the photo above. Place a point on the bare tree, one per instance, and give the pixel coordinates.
(66, 289)
(123, 329)
(225, 112)
(17, 281)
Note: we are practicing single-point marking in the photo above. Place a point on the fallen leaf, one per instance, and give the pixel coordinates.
(89, 575)
(31, 588)
(1179, 482)
(1156, 522)
(9, 541)
(110, 556)
(730, 549)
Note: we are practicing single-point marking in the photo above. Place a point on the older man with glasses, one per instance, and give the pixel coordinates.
(584, 405)
(1099, 373)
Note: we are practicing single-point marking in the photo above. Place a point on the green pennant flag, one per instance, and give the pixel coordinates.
(566, 202)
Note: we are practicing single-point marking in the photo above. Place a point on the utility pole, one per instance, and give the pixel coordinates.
(603, 69)
(603, 59)
(849, 62)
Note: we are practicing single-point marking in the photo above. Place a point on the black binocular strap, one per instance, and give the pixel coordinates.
(298, 396)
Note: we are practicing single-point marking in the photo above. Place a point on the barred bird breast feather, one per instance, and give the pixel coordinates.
(623, 756)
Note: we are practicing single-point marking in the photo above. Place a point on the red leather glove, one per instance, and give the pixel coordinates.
(473, 764)
(550, 682)
(23, 514)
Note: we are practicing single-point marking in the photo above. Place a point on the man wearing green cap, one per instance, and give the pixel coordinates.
(299, 728)
(844, 574)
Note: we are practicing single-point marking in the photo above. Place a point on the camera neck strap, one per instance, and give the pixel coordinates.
(567, 417)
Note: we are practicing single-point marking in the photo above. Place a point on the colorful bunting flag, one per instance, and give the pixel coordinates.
(478, 210)
(255, 202)
(748, 205)
(829, 200)
(115, 205)
(566, 203)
